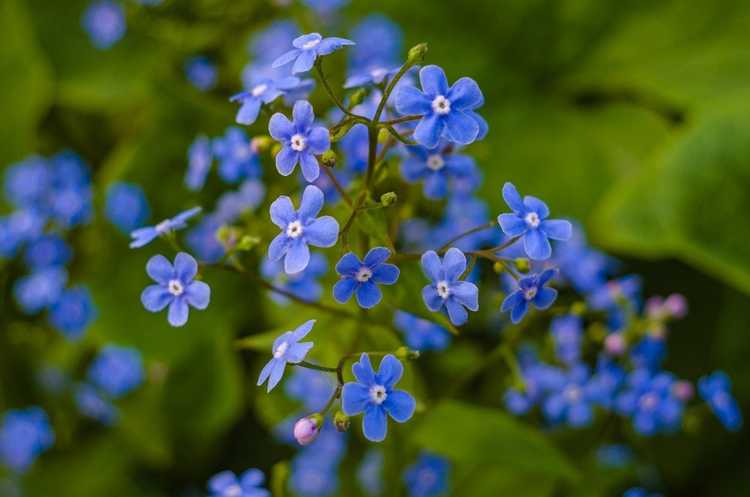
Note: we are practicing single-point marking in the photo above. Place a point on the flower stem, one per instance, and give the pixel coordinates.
(456, 238)
(338, 186)
(332, 95)
(308, 365)
(389, 89)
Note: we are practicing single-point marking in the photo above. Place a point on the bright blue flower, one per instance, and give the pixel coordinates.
(313, 476)
(202, 240)
(571, 403)
(117, 371)
(310, 387)
(447, 290)
(447, 111)
(715, 389)
(27, 182)
(233, 204)
(529, 220)
(175, 287)
(200, 157)
(301, 141)
(24, 435)
(262, 90)
(567, 333)
(93, 404)
(378, 42)
(104, 21)
(539, 380)
(307, 48)
(428, 477)
(648, 398)
(40, 289)
(69, 199)
(236, 157)
(144, 236)
(370, 473)
(269, 44)
(639, 492)
(304, 284)
(363, 277)
(47, 251)
(606, 382)
(436, 167)
(650, 351)
(294, 88)
(127, 207)
(248, 484)
(201, 72)
(531, 289)
(373, 395)
(18, 228)
(286, 349)
(73, 312)
(614, 456)
(300, 228)
(421, 334)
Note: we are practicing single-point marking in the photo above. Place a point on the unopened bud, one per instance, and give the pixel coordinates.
(328, 158)
(522, 264)
(260, 144)
(383, 136)
(247, 242)
(388, 199)
(615, 344)
(406, 354)
(358, 97)
(341, 421)
(416, 53)
(275, 149)
(676, 305)
(683, 390)
(307, 429)
(578, 308)
(228, 236)
(498, 267)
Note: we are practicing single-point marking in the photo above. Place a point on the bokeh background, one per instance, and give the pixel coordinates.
(632, 116)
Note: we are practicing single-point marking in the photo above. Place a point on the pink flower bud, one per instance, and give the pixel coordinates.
(683, 390)
(306, 429)
(615, 344)
(655, 307)
(677, 305)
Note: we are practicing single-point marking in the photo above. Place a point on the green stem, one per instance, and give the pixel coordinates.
(309, 365)
(389, 89)
(332, 95)
(456, 238)
(338, 186)
(399, 120)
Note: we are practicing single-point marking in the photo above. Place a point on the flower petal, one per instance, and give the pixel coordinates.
(400, 405)
(319, 140)
(282, 212)
(280, 127)
(386, 274)
(513, 198)
(454, 264)
(376, 256)
(304, 62)
(536, 205)
(178, 312)
(465, 94)
(160, 269)
(277, 372)
(354, 398)
(466, 293)
(297, 257)
(557, 229)
(310, 166)
(519, 311)
(431, 265)
(286, 58)
(545, 298)
(536, 245)
(155, 298)
(323, 232)
(363, 371)
(297, 352)
(312, 203)
(375, 423)
(185, 267)
(198, 294)
(286, 160)
(511, 301)
(390, 371)
(278, 247)
(456, 312)
(428, 131)
(330, 45)
(433, 80)
(303, 330)
(368, 295)
(302, 115)
(343, 289)
(432, 300)
(221, 481)
(461, 128)
(248, 112)
(348, 265)
(409, 100)
(512, 224)
(266, 372)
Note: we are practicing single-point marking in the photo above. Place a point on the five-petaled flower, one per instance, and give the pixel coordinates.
(374, 395)
(445, 110)
(286, 349)
(531, 289)
(263, 91)
(175, 287)
(529, 220)
(300, 228)
(248, 484)
(144, 236)
(363, 277)
(307, 48)
(300, 141)
(446, 290)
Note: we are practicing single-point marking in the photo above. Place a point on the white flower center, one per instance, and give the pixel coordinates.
(242, 152)
(175, 287)
(530, 293)
(280, 350)
(259, 90)
(163, 226)
(311, 44)
(532, 219)
(298, 143)
(443, 289)
(441, 105)
(573, 393)
(435, 162)
(378, 73)
(233, 491)
(363, 275)
(649, 401)
(294, 229)
(377, 394)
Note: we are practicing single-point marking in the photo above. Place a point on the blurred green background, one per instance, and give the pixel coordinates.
(632, 116)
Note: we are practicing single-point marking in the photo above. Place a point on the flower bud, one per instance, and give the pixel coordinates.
(358, 97)
(388, 199)
(498, 267)
(683, 390)
(275, 149)
(228, 236)
(406, 354)
(328, 158)
(416, 54)
(247, 242)
(306, 429)
(522, 264)
(676, 305)
(260, 144)
(615, 344)
(578, 308)
(341, 421)
(383, 136)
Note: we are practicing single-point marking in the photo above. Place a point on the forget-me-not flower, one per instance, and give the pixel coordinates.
(286, 349)
(144, 236)
(715, 389)
(104, 21)
(428, 477)
(117, 371)
(436, 167)
(73, 312)
(300, 228)
(300, 141)
(263, 90)
(236, 157)
(127, 207)
(529, 220)
(248, 484)
(175, 287)
(649, 399)
(421, 334)
(40, 289)
(200, 157)
(444, 108)
(363, 277)
(531, 290)
(92, 403)
(446, 289)
(24, 435)
(201, 72)
(307, 48)
(571, 403)
(373, 394)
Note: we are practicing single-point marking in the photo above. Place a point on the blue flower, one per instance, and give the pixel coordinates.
(529, 220)
(378, 42)
(571, 403)
(436, 167)
(421, 334)
(263, 90)
(531, 289)
(127, 207)
(270, 43)
(40, 289)
(47, 251)
(567, 333)
(117, 371)
(300, 228)
(307, 48)
(606, 382)
(304, 284)
(648, 398)
(73, 312)
(428, 477)
(650, 351)
(363, 277)
(236, 157)
(27, 182)
(370, 473)
(313, 476)
(446, 290)
(249, 484)
(201, 72)
(104, 21)
(202, 240)
(374, 395)
(444, 109)
(24, 435)
(175, 287)
(615, 297)
(144, 236)
(539, 380)
(231, 205)
(286, 349)
(310, 387)
(372, 75)
(200, 157)
(93, 404)
(715, 389)
(300, 141)
(18, 228)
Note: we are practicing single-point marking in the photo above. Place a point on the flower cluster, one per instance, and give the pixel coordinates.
(24, 435)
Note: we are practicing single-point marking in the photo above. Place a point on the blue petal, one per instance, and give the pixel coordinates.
(277, 371)
(178, 312)
(330, 45)
(375, 423)
(286, 58)
(466, 294)
(185, 267)
(390, 371)
(160, 269)
(368, 295)
(456, 312)
(282, 212)
(545, 297)
(431, 265)
(304, 62)
(280, 127)
(513, 198)
(354, 398)
(519, 311)
(428, 131)
(278, 247)
(465, 94)
(376, 256)
(323, 232)
(343, 289)
(266, 371)
(436, 186)
(536, 245)
(409, 100)
(433, 80)
(483, 126)
(512, 224)
(303, 330)
(286, 159)
(143, 236)
(454, 264)
(310, 166)
(319, 140)
(432, 300)
(557, 229)
(400, 405)
(312, 202)
(252, 478)
(363, 371)
(302, 40)
(303, 115)
(461, 128)
(198, 294)
(547, 275)
(221, 481)
(248, 112)
(511, 301)
(348, 265)
(297, 257)
(386, 274)
(533, 204)
(297, 352)
(155, 298)
(413, 169)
